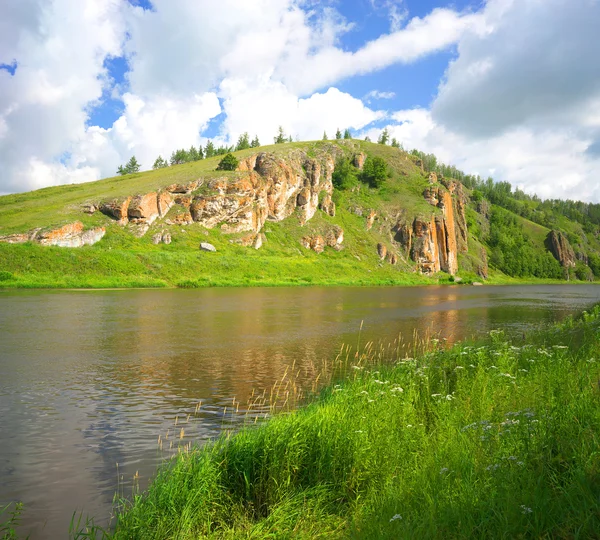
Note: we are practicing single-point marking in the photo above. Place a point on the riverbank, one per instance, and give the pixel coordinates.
(497, 439)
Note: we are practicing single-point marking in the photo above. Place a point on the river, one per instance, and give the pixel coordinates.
(91, 379)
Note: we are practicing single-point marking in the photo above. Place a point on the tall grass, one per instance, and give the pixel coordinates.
(493, 440)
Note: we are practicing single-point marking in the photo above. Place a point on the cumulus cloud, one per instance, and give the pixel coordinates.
(265, 105)
(376, 94)
(537, 64)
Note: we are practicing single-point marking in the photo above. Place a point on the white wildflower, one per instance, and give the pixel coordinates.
(395, 517)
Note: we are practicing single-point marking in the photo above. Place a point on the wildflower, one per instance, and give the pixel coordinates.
(444, 470)
(493, 467)
(472, 366)
(520, 463)
(449, 397)
(525, 509)
(395, 517)
(524, 370)
(358, 367)
(358, 431)
(493, 367)
(512, 458)
(459, 367)
(559, 347)
(409, 425)
(436, 395)
(365, 392)
(397, 389)
(370, 400)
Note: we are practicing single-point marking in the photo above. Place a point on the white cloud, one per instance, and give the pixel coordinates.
(550, 163)
(376, 94)
(262, 106)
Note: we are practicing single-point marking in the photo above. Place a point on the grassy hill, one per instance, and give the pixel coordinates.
(123, 259)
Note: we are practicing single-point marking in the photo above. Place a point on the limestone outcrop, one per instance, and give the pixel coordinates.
(560, 247)
(333, 238)
(70, 235)
(117, 209)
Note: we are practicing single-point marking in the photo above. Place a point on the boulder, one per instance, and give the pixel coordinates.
(205, 246)
(166, 238)
(144, 208)
(381, 251)
(371, 219)
(157, 238)
(327, 205)
(359, 160)
(117, 209)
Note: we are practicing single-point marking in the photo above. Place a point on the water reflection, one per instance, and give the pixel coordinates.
(90, 379)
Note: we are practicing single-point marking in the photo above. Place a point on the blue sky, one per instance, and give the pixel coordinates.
(85, 85)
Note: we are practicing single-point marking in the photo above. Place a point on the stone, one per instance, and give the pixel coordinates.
(89, 208)
(144, 208)
(334, 237)
(371, 219)
(381, 251)
(258, 241)
(164, 202)
(166, 238)
(392, 258)
(16, 238)
(561, 249)
(359, 160)
(117, 209)
(205, 246)
(157, 238)
(71, 235)
(327, 205)
(433, 178)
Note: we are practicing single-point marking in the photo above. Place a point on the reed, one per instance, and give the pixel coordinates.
(489, 440)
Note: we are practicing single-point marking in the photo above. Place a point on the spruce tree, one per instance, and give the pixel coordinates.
(255, 142)
(338, 134)
(280, 138)
(324, 135)
(347, 134)
(209, 150)
(243, 142)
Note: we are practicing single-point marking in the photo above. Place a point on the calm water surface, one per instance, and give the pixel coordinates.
(89, 379)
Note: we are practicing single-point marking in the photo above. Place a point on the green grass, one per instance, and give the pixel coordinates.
(492, 440)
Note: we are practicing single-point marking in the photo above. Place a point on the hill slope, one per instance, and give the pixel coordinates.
(278, 219)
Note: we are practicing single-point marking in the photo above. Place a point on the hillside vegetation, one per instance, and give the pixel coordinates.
(326, 212)
(496, 439)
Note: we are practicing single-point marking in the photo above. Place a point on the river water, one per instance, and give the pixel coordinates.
(90, 379)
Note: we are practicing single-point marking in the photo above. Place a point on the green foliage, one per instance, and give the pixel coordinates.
(324, 135)
(583, 272)
(513, 251)
(209, 150)
(375, 171)
(160, 163)
(132, 167)
(243, 142)
(255, 142)
(384, 137)
(228, 163)
(338, 134)
(345, 174)
(594, 264)
(347, 134)
(395, 143)
(486, 440)
(8, 528)
(280, 138)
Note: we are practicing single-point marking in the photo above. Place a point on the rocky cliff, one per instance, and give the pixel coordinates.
(559, 246)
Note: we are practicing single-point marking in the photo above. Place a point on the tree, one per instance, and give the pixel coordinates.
(255, 142)
(395, 143)
(375, 171)
(209, 150)
(344, 174)
(290, 139)
(228, 163)
(367, 139)
(243, 141)
(121, 170)
(384, 137)
(338, 134)
(280, 138)
(347, 134)
(193, 154)
(324, 135)
(179, 156)
(132, 166)
(160, 163)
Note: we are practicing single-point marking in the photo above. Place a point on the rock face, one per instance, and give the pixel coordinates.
(117, 209)
(333, 238)
(359, 160)
(327, 205)
(559, 246)
(144, 208)
(432, 242)
(371, 219)
(381, 251)
(71, 235)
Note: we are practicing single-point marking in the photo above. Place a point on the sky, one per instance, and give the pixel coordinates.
(501, 88)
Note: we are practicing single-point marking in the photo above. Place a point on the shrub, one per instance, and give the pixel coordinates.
(228, 163)
(344, 174)
(375, 171)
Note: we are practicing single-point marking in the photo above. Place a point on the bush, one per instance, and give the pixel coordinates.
(375, 172)
(344, 175)
(584, 273)
(228, 163)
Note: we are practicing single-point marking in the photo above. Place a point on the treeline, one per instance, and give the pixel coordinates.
(531, 207)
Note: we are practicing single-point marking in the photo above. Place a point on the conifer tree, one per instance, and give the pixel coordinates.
(255, 142)
(338, 134)
(347, 134)
(209, 150)
(280, 137)
(324, 135)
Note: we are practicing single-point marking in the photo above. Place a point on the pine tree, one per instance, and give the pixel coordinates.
(193, 154)
(243, 142)
(367, 139)
(324, 135)
(280, 138)
(160, 163)
(209, 151)
(395, 143)
(228, 163)
(290, 139)
(384, 137)
(347, 134)
(338, 134)
(132, 166)
(121, 170)
(255, 142)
